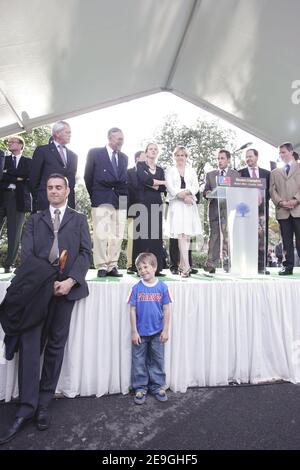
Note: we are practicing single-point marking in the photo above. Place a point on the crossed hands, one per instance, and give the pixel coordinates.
(291, 204)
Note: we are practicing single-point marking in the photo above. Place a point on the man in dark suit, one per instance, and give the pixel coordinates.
(54, 157)
(15, 198)
(46, 235)
(217, 221)
(106, 181)
(254, 171)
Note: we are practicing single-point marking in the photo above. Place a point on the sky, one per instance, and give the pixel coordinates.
(139, 119)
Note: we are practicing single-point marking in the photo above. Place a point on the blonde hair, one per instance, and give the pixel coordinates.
(146, 258)
(19, 138)
(180, 148)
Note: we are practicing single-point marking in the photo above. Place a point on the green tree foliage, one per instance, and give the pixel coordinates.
(202, 139)
(83, 203)
(38, 136)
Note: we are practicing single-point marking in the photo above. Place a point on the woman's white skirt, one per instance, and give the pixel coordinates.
(182, 218)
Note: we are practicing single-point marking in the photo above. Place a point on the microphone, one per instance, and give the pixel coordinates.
(245, 146)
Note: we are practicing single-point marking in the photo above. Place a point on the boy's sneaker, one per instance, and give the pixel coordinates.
(161, 395)
(139, 397)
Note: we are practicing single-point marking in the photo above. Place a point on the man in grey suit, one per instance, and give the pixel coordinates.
(46, 235)
(217, 221)
(285, 193)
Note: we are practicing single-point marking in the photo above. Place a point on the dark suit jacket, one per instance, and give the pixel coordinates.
(133, 186)
(25, 304)
(47, 160)
(73, 235)
(104, 187)
(10, 175)
(244, 172)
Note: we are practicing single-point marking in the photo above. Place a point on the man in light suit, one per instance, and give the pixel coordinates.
(106, 181)
(217, 221)
(39, 240)
(15, 198)
(254, 171)
(54, 157)
(285, 193)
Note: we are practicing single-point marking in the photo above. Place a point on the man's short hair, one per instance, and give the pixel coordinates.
(137, 155)
(228, 154)
(112, 130)
(287, 145)
(254, 151)
(146, 258)
(58, 126)
(58, 175)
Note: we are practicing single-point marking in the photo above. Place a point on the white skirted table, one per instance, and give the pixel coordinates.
(247, 331)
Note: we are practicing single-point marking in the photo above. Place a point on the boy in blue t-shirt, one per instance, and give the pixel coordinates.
(149, 316)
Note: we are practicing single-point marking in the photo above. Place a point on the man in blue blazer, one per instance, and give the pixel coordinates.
(15, 198)
(106, 181)
(54, 157)
(46, 234)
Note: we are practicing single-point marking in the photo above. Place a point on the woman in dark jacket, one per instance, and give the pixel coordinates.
(148, 226)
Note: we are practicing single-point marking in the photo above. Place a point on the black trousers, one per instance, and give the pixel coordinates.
(14, 222)
(290, 227)
(33, 391)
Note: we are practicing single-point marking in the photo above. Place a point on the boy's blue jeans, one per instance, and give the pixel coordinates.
(147, 368)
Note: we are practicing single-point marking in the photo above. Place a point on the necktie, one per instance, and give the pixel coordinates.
(254, 175)
(14, 159)
(287, 169)
(62, 154)
(114, 162)
(222, 173)
(54, 252)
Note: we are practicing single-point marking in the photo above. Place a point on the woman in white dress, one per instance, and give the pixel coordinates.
(183, 219)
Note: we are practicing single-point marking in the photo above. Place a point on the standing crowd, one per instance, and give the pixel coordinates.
(56, 248)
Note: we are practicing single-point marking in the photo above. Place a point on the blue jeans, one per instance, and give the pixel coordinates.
(147, 368)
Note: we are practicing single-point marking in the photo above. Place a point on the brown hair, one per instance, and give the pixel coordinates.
(146, 258)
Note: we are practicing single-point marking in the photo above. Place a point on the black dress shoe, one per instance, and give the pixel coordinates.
(8, 270)
(43, 419)
(174, 270)
(263, 271)
(209, 269)
(194, 271)
(114, 273)
(131, 270)
(17, 425)
(102, 273)
(286, 272)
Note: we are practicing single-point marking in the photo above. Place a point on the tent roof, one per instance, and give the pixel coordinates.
(237, 59)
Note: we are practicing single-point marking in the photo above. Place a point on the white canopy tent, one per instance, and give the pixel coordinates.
(235, 58)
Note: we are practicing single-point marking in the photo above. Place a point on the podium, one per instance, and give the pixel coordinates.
(241, 203)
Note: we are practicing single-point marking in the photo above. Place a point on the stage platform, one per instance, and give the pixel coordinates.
(223, 330)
